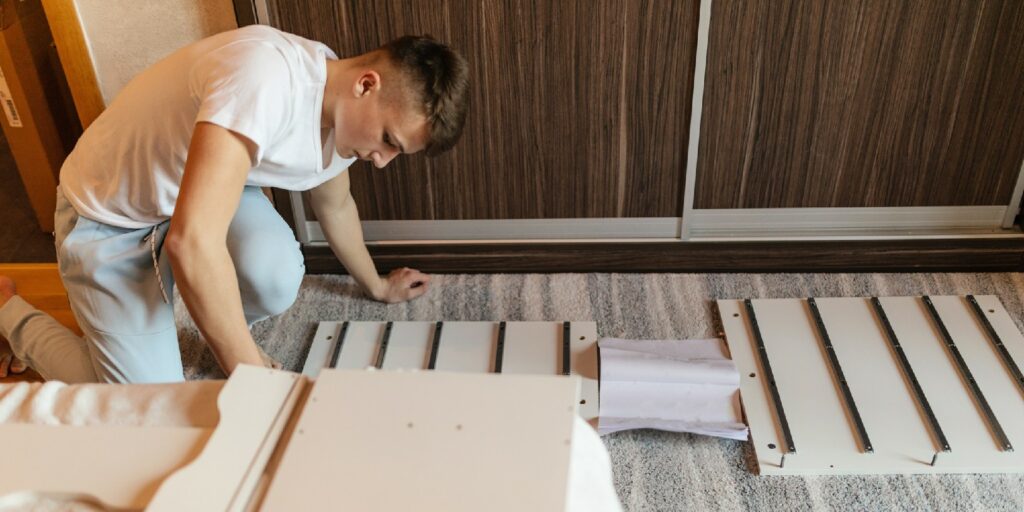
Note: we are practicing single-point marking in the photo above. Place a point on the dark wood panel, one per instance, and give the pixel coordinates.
(978, 255)
(862, 103)
(245, 12)
(661, 47)
(580, 108)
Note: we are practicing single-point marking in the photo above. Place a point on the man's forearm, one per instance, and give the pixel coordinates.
(345, 236)
(205, 276)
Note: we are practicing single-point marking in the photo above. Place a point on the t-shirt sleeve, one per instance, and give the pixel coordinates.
(245, 87)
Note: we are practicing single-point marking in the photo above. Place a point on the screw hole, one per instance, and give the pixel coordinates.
(735, 315)
(831, 465)
(752, 374)
(409, 424)
(458, 427)
(583, 402)
(991, 311)
(771, 446)
(330, 337)
(582, 338)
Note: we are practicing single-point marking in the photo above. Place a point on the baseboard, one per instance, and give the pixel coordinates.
(929, 255)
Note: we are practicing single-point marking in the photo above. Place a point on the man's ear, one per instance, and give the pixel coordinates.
(367, 83)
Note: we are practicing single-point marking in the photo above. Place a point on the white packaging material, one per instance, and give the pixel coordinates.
(675, 385)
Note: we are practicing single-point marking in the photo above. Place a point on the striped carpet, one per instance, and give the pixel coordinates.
(655, 470)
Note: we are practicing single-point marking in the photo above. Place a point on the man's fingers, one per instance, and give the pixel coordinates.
(415, 277)
(268, 361)
(5, 363)
(17, 366)
(405, 284)
(416, 291)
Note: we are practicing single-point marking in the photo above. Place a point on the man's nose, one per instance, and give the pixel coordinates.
(381, 159)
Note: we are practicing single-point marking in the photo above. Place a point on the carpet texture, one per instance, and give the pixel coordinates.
(656, 470)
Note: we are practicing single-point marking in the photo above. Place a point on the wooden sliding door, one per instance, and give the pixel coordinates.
(580, 108)
(894, 122)
(868, 103)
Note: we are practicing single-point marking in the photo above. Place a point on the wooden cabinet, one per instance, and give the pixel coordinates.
(871, 103)
(773, 122)
(580, 108)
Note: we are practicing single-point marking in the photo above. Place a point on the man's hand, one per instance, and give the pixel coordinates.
(339, 219)
(400, 285)
(269, 361)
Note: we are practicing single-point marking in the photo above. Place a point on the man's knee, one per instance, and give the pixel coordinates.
(269, 281)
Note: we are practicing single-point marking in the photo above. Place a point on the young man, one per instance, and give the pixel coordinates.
(163, 189)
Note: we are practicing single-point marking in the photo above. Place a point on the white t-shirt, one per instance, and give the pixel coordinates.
(257, 81)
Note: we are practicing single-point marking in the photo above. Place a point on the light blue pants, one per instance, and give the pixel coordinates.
(114, 276)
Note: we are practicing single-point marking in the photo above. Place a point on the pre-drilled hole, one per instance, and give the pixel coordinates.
(752, 374)
(771, 446)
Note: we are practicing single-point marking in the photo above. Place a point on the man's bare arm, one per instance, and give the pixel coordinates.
(339, 218)
(215, 173)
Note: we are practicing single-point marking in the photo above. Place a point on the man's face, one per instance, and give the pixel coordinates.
(371, 128)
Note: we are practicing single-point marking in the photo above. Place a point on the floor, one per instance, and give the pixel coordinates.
(21, 240)
(657, 470)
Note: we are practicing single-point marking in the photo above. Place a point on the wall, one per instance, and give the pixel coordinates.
(126, 36)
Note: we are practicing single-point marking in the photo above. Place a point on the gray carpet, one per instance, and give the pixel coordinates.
(655, 470)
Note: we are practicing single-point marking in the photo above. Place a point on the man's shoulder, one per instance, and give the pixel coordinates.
(259, 49)
(254, 36)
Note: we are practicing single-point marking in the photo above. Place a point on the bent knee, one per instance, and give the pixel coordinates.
(269, 283)
(274, 296)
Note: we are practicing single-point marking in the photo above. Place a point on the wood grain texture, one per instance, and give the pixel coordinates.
(862, 103)
(69, 38)
(40, 285)
(964, 255)
(578, 108)
(30, 127)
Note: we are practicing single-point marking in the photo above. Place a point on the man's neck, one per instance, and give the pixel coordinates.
(337, 70)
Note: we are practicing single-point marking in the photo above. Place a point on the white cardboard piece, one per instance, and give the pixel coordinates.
(380, 440)
(674, 385)
(497, 434)
(255, 406)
